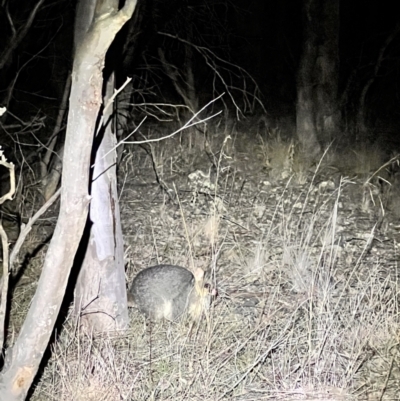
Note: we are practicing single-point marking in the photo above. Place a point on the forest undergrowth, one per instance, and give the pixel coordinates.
(305, 259)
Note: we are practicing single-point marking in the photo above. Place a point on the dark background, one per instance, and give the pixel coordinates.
(263, 37)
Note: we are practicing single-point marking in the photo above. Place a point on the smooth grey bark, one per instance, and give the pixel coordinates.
(100, 294)
(23, 359)
(317, 108)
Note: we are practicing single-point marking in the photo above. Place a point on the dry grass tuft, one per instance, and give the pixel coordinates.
(307, 308)
(360, 161)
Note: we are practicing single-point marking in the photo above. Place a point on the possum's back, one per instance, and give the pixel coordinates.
(162, 291)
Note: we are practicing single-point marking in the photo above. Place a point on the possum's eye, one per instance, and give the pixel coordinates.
(212, 291)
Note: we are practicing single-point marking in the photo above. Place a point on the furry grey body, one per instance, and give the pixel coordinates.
(163, 291)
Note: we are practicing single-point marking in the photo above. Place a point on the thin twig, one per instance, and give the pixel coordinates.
(27, 228)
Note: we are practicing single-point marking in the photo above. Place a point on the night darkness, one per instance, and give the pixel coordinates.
(281, 198)
(263, 37)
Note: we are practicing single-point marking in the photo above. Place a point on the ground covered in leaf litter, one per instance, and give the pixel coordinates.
(305, 261)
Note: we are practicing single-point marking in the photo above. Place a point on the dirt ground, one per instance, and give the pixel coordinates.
(305, 259)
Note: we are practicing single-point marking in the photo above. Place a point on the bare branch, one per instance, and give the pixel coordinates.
(10, 166)
(13, 44)
(188, 124)
(210, 59)
(28, 227)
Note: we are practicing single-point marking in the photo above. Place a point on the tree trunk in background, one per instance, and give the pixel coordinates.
(317, 109)
(100, 294)
(23, 359)
(50, 170)
(362, 126)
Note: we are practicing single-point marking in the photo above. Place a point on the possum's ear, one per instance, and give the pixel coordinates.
(198, 274)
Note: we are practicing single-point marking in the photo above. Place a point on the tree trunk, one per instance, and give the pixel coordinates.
(23, 359)
(100, 294)
(51, 164)
(317, 109)
(361, 128)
